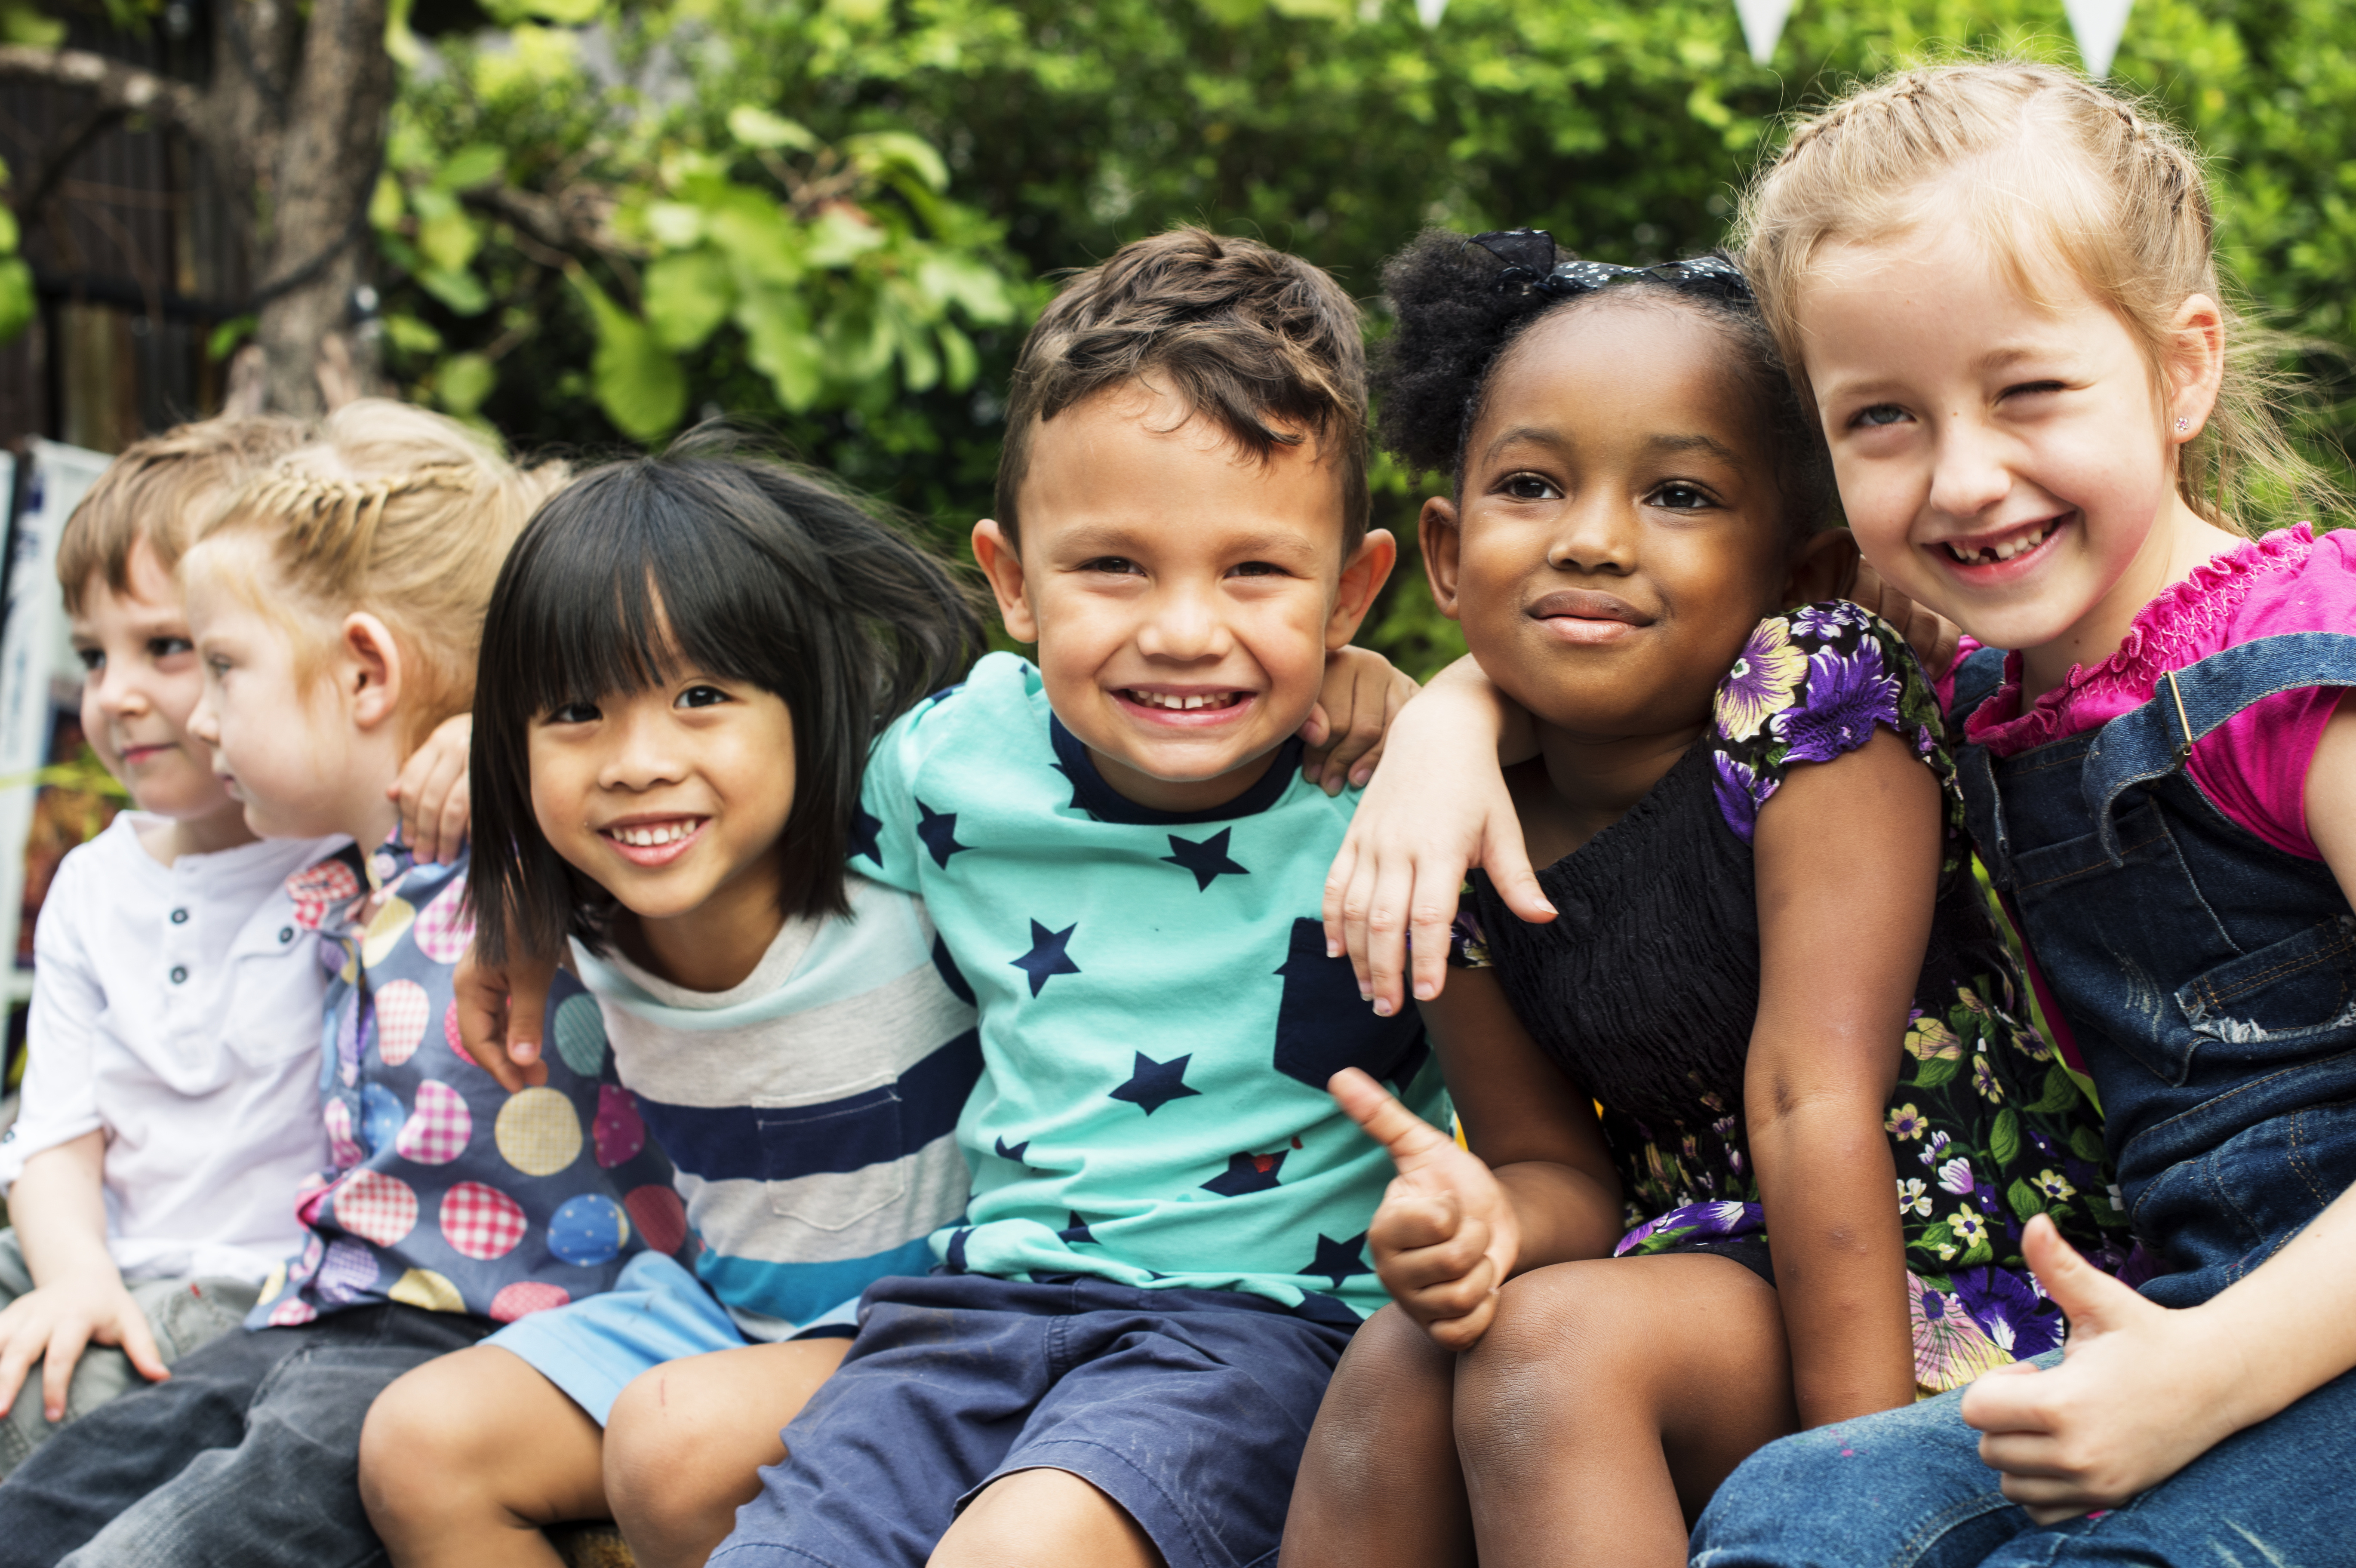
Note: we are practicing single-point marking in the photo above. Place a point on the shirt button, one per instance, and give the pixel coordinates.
(179, 917)
(285, 933)
(179, 973)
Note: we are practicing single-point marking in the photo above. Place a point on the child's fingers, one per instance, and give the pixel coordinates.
(486, 997)
(1412, 1143)
(457, 812)
(1357, 898)
(1412, 1218)
(1386, 940)
(1361, 732)
(66, 1343)
(1337, 885)
(1460, 1334)
(138, 1342)
(17, 1358)
(527, 984)
(1430, 916)
(1505, 857)
(1457, 1296)
(1314, 732)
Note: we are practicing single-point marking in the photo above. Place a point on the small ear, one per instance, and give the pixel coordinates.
(1437, 529)
(2196, 366)
(1825, 568)
(1362, 576)
(1002, 564)
(372, 673)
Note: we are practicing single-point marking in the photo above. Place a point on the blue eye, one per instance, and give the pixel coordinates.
(1880, 414)
(166, 647)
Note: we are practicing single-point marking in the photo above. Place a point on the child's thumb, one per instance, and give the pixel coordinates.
(1508, 865)
(2092, 1301)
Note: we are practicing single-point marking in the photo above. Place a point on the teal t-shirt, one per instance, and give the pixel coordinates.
(1159, 1016)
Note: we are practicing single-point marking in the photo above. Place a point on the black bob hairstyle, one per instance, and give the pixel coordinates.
(1459, 313)
(717, 558)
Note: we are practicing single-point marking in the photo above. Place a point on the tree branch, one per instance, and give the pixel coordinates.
(118, 88)
(577, 219)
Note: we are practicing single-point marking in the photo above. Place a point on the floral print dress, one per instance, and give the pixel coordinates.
(1646, 988)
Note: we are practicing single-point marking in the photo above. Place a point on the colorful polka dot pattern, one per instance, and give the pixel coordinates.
(581, 1036)
(538, 1132)
(445, 928)
(421, 1287)
(620, 1131)
(481, 1221)
(448, 1193)
(376, 1207)
(659, 1215)
(525, 1298)
(322, 893)
(439, 1129)
(588, 1230)
(402, 1011)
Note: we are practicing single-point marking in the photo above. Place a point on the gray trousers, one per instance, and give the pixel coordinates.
(181, 1313)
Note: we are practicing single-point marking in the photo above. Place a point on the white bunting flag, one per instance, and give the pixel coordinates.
(2097, 24)
(1763, 24)
(1431, 11)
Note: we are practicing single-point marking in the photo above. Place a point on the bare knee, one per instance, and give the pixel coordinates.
(1035, 1518)
(1392, 1384)
(1563, 1339)
(681, 1456)
(417, 1451)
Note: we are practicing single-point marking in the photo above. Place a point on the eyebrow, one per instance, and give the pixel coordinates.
(1114, 539)
(1693, 441)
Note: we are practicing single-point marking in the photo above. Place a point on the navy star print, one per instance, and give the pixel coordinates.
(1337, 1261)
(1154, 1084)
(1076, 1231)
(938, 830)
(864, 829)
(1247, 1173)
(1013, 1151)
(1208, 860)
(1046, 958)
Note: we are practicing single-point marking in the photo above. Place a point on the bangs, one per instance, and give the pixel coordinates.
(617, 594)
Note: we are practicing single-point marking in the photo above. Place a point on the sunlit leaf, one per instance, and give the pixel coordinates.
(637, 383)
(881, 150)
(470, 166)
(463, 382)
(462, 291)
(777, 336)
(756, 127)
(687, 296)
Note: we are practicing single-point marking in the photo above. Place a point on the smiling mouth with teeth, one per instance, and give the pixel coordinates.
(1988, 555)
(653, 834)
(1187, 704)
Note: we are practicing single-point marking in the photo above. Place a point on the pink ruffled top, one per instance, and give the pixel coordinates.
(2254, 767)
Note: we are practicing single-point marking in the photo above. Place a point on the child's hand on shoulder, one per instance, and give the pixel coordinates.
(2141, 1394)
(1446, 1235)
(54, 1324)
(1439, 807)
(432, 792)
(502, 1016)
(1362, 694)
(1931, 635)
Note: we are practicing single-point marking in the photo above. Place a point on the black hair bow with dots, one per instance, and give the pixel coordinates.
(1530, 268)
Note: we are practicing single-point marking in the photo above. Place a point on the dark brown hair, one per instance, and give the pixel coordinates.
(1266, 346)
(716, 557)
(161, 490)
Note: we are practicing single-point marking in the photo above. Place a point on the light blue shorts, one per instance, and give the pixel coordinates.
(657, 1312)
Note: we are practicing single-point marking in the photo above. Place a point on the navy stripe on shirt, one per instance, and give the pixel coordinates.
(754, 1143)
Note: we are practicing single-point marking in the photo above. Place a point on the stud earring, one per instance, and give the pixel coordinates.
(2182, 424)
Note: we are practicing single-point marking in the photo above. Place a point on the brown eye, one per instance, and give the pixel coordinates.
(1530, 487)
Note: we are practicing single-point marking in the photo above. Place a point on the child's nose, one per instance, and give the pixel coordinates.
(1185, 624)
(1969, 475)
(1597, 534)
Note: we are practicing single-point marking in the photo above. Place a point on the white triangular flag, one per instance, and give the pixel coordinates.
(1431, 11)
(2097, 24)
(1763, 24)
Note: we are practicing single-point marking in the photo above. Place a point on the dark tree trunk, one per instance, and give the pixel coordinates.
(296, 113)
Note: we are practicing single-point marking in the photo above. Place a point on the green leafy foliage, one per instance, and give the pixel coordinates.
(833, 215)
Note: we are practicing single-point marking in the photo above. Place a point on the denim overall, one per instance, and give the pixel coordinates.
(2209, 980)
(2208, 977)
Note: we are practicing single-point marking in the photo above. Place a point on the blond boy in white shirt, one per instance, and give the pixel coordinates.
(170, 1108)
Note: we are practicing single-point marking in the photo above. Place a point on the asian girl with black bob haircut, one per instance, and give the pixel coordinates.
(716, 556)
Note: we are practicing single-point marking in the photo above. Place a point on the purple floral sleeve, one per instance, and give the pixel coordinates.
(1809, 686)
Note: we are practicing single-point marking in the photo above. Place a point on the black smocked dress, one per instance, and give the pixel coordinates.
(1645, 989)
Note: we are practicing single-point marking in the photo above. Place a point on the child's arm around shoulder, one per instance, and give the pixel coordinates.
(2146, 1389)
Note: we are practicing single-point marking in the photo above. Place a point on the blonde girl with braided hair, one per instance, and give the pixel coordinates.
(335, 603)
(1996, 285)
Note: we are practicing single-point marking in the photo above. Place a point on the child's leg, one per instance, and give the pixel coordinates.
(465, 1459)
(1379, 1482)
(1609, 1399)
(684, 1441)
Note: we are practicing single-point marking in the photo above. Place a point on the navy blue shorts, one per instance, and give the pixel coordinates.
(1189, 1408)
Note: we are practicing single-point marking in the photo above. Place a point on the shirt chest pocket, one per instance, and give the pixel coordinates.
(833, 1164)
(272, 994)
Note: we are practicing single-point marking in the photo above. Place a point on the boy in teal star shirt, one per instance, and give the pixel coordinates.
(1119, 1357)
